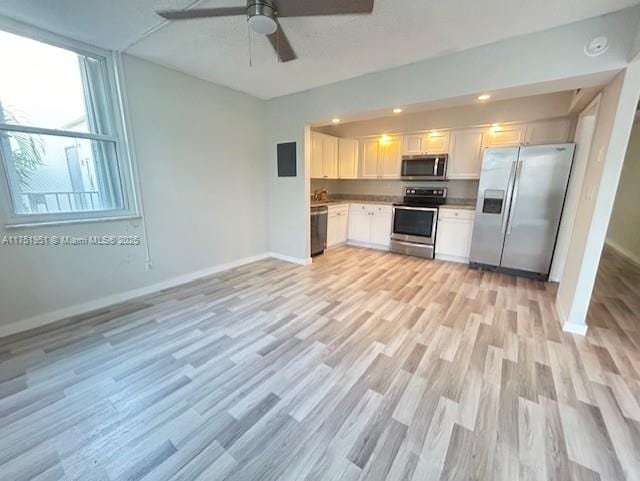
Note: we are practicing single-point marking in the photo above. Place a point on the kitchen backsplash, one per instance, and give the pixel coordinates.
(457, 189)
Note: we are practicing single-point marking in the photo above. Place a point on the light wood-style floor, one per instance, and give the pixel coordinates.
(364, 366)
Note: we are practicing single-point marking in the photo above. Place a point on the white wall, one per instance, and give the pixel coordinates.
(615, 118)
(552, 59)
(624, 227)
(200, 151)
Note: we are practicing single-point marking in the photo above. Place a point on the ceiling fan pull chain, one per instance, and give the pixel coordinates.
(250, 47)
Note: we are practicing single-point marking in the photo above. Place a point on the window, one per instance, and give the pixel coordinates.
(61, 137)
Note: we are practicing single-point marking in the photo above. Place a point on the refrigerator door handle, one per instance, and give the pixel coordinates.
(507, 198)
(514, 195)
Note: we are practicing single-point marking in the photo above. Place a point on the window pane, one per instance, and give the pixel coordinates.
(50, 87)
(51, 174)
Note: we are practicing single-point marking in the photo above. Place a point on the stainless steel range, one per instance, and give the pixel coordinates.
(414, 221)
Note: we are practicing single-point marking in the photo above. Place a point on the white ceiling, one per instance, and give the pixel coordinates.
(329, 48)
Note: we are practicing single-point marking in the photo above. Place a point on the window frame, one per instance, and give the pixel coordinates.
(111, 62)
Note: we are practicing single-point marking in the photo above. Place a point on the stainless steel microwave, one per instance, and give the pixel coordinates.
(424, 167)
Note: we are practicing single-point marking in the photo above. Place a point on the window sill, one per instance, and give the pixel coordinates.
(24, 225)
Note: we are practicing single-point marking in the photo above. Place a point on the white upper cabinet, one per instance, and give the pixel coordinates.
(316, 155)
(347, 159)
(390, 158)
(369, 159)
(324, 156)
(381, 159)
(414, 144)
(465, 154)
(506, 135)
(375, 158)
(435, 142)
(329, 157)
(554, 131)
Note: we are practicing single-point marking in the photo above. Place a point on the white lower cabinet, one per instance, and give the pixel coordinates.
(337, 225)
(370, 224)
(453, 235)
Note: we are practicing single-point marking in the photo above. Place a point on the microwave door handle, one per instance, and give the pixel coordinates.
(435, 166)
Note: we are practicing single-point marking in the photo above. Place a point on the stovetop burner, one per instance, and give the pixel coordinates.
(421, 197)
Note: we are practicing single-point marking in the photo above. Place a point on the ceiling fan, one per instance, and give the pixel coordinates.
(262, 16)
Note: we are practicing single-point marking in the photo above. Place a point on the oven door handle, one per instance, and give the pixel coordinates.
(423, 209)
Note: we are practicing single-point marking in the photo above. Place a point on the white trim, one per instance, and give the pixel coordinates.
(450, 258)
(573, 192)
(50, 317)
(41, 35)
(27, 225)
(623, 251)
(119, 137)
(572, 327)
(128, 146)
(294, 260)
(57, 132)
(367, 245)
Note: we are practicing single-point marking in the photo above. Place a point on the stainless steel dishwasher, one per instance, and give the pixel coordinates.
(319, 216)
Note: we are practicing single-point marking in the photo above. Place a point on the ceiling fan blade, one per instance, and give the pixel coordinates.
(281, 45)
(202, 13)
(309, 8)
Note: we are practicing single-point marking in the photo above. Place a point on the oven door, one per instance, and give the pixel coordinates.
(415, 224)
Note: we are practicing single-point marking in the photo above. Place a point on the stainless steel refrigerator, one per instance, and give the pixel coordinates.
(520, 200)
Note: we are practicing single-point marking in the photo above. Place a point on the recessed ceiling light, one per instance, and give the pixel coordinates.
(484, 97)
(336, 120)
(397, 110)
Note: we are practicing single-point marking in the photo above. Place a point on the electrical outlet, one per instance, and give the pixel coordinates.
(149, 265)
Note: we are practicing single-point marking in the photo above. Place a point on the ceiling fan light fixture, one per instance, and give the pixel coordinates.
(262, 18)
(262, 24)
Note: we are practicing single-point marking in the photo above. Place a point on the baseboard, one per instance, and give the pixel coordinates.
(572, 327)
(101, 303)
(294, 260)
(367, 246)
(448, 258)
(623, 252)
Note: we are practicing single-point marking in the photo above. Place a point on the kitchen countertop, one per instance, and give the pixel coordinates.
(453, 203)
(467, 204)
(315, 203)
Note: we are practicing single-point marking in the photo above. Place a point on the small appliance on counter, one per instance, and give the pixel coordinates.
(319, 215)
(520, 201)
(413, 230)
(320, 195)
